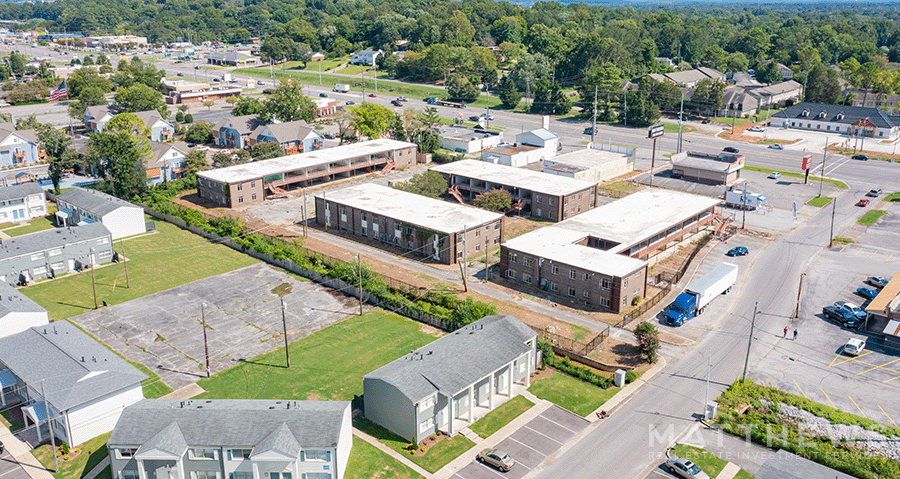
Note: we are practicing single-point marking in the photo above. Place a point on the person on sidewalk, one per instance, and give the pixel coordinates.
(795, 335)
(785, 332)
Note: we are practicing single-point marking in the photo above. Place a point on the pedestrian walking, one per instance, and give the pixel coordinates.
(785, 332)
(795, 335)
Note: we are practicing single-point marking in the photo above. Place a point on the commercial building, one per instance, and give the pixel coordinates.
(115, 40)
(82, 205)
(468, 140)
(235, 439)
(18, 312)
(855, 121)
(248, 183)
(441, 231)
(22, 202)
(199, 95)
(884, 313)
(232, 58)
(540, 195)
(721, 169)
(600, 163)
(450, 383)
(599, 258)
(50, 252)
(530, 147)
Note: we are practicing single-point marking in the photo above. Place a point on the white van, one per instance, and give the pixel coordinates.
(854, 346)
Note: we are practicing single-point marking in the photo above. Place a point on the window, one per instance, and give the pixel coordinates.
(126, 452)
(55, 252)
(496, 240)
(526, 278)
(539, 213)
(554, 269)
(204, 475)
(240, 187)
(586, 294)
(318, 475)
(477, 247)
(624, 283)
(343, 214)
(240, 199)
(238, 454)
(510, 274)
(539, 201)
(40, 270)
(604, 302)
(426, 425)
(253, 197)
(572, 274)
(572, 292)
(37, 256)
(554, 287)
(497, 226)
(624, 301)
(459, 254)
(57, 266)
(528, 261)
(242, 475)
(426, 403)
(105, 254)
(585, 276)
(252, 184)
(317, 456)
(130, 475)
(512, 257)
(604, 283)
(477, 233)
(550, 201)
(203, 453)
(522, 366)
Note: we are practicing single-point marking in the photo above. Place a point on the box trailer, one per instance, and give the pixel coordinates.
(700, 293)
(744, 199)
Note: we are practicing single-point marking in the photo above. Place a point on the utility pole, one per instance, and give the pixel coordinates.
(680, 118)
(744, 209)
(303, 212)
(359, 268)
(594, 120)
(528, 91)
(749, 342)
(768, 108)
(625, 109)
(464, 267)
(822, 176)
(287, 354)
(205, 343)
(708, 366)
(831, 234)
(124, 263)
(50, 427)
(93, 282)
(487, 105)
(487, 270)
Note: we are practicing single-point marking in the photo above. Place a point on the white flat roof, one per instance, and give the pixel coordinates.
(411, 208)
(515, 177)
(587, 158)
(626, 221)
(283, 164)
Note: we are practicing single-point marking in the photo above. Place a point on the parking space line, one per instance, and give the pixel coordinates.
(857, 407)
(542, 434)
(857, 252)
(873, 253)
(889, 257)
(798, 387)
(889, 417)
(826, 395)
(842, 249)
(11, 471)
(878, 367)
(850, 359)
(891, 379)
(526, 445)
(558, 424)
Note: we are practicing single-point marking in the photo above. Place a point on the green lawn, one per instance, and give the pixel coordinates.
(327, 365)
(709, 462)
(760, 118)
(496, 419)
(742, 474)
(819, 201)
(37, 224)
(673, 128)
(92, 452)
(871, 217)
(367, 462)
(355, 69)
(157, 262)
(893, 197)
(794, 174)
(570, 393)
(435, 458)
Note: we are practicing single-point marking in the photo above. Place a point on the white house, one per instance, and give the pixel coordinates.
(234, 439)
(85, 385)
(531, 146)
(19, 147)
(81, 205)
(160, 128)
(365, 57)
(18, 312)
(166, 162)
(22, 202)
(96, 117)
(468, 140)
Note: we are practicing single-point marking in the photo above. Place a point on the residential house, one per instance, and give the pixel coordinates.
(365, 57)
(58, 367)
(234, 439)
(48, 253)
(160, 128)
(293, 137)
(776, 93)
(233, 132)
(530, 147)
(738, 103)
(786, 73)
(22, 202)
(18, 312)
(452, 382)
(232, 58)
(19, 147)
(317, 57)
(81, 205)
(96, 117)
(166, 162)
(846, 120)
(690, 78)
(468, 140)
(886, 101)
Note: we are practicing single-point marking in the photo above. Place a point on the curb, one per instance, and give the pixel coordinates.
(609, 407)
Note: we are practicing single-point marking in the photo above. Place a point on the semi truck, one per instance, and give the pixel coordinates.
(227, 78)
(700, 293)
(341, 88)
(737, 199)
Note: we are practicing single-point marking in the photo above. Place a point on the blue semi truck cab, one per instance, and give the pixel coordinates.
(682, 309)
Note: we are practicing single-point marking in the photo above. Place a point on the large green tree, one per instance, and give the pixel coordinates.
(139, 97)
(509, 95)
(494, 200)
(429, 183)
(120, 159)
(822, 86)
(288, 103)
(55, 143)
(371, 120)
(199, 132)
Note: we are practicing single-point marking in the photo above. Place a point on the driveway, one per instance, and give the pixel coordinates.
(533, 442)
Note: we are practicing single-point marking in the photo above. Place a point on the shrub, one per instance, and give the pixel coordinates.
(631, 376)
(648, 340)
(565, 365)
(179, 116)
(64, 447)
(635, 300)
(188, 118)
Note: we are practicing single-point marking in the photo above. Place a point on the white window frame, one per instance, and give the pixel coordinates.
(426, 424)
(122, 453)
(192, 453)
(426, 403)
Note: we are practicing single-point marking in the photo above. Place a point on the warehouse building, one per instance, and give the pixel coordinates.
(601, 163)
(249, 183)
(440, 231)
(721, 169)
(537, 194)
(599, 258)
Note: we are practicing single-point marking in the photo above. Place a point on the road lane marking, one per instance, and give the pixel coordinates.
(856, 358)
(542, 434)
(857, 407)
(829, 399)
(798, 387)
(878, 367)
(889, 417)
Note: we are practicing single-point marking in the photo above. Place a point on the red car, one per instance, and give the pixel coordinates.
(862, 202)
(372, 95)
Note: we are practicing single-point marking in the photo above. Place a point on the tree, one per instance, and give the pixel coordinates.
(494, 200)
(459, 88)
(17, 64)
(55, 143)
(822, 85)
(200, 132)
(372, 120)
(27, 123)
(509, 96)
(128, 122)
(195, 161)
(559, 102)
(188, 118)
(648, 340)
(247, 105)
(208, 104)
(120, 159)
(458, 31)
(429, 183)
(102, 59)
(179, 117)
(87, 61)
(707, 96)
(641, 110)
(221, 160)
(232, 100)
(288, 103)
(90, 96)
(139, 97)
(769, 73)
(266, 150)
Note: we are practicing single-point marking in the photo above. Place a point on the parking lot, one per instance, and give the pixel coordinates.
(243, 317)
(10, 469)
(530, 444)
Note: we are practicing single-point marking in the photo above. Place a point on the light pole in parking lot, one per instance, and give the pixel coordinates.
(205, 343)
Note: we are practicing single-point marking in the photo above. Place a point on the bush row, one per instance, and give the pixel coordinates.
(565, 365)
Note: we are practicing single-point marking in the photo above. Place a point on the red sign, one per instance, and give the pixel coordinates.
(806, 160)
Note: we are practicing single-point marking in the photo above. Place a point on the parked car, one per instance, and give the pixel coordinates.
(496, 458)
(685, 468)
(179, 74)
(350, 102)
(755, 128)
(323, 95)
(396, 103)
(855, 346)
(874, 192)
(474, 118)
(877, 281)
(868, 293)
(737, 251)
(260, 82)
(857, 312)
(841, 316)
(774, 175)
(776, 146)
(487, 116)
(402, 98)
(862, 202)
(730, 149)
(860, 157)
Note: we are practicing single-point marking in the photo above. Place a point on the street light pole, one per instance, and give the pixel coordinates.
(93, 282)
(205, 344)
(749, 342)
(831, 233)
(680, 118)
(287, 354)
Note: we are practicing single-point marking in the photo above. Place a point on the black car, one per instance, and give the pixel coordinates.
(860, 157)
(588, 131)
(842, 316)
(730, 149)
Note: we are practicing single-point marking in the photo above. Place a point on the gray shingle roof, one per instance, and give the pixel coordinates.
(457, 360)
(93, 201)
(98, 111)
(13, 301)
(290, 131)
(20, 191)
(852, 114)
(150, 117)
(784, 465)
(44, 240)
(243, 124)
(280, 440)
(170, 439)
(160, 149)
(223, 423)
(75, 368)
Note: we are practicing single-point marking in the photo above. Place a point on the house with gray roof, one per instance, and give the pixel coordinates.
(160, 128)
(689, 78)
(452, 382)
(85, 385)
(365, 57)
(82, 205)
(22, 202)
(233, 439)
(18, 312)
(96, 117)
(166, 162)
(48, 253)
(293, 137)
(19, 147)
(854, 121)
(234, 132)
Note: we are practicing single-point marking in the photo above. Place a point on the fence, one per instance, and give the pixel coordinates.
(570, 345)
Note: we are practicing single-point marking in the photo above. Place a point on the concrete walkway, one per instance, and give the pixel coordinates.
(390, 452)
(97, 469)
(186, 392)
(731, 469)
(22, 454)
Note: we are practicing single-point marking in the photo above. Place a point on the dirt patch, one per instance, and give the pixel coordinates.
(282, 289)
(314, 397)
(517, 225)
(619, 353)
(542, 373)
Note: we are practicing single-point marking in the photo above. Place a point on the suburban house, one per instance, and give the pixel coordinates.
(599, 258)
(452, 382)
(160, 128)
(316, 57)
(689, 78)
(234, 439)
(738, 103)
(85, 385)
(22, 202)
(96, 117)
(18, 312)
(776, 93)
(50, 252)
(786, 73)
(538, 194)
(531, 146)
(438, 230)
(293, 137)
(853, 121)
(82, 205)
(233, 132)
(239, 185)
(600, 163)
(468, 140)
(720, 169)
(166, 162)
(365, 57)
(232, 58)
(19, 147)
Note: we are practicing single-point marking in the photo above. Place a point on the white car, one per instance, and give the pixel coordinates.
(774, 175)
(855, 346)
(755, 128)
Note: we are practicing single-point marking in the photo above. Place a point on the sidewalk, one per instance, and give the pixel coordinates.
(22, 454)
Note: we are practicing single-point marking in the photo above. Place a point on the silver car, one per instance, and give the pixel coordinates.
(685, 468)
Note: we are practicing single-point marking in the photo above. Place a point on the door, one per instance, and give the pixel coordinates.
(442, 418)
(502, 380)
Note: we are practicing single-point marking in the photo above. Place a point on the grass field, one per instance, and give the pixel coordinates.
(871, 217)
(312, 78)
(496, 419)
(673, 128)
(366, 462)
(355, 69)
(819, 201)
(36, 224)
(327, 365)
(92, 452)
(893, 197)
(570, 393)
(709, 462)
(435, 458)
(794, 174)
(760, 118)
(157, 262)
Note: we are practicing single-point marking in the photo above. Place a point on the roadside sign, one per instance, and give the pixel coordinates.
(806, 161)
(656, 131)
